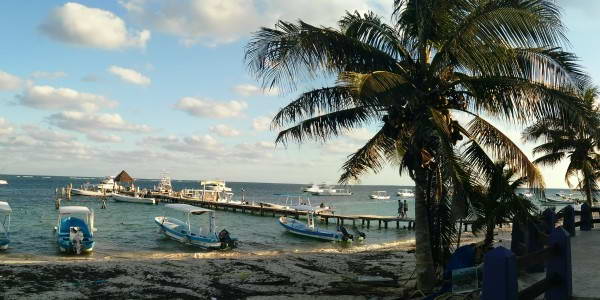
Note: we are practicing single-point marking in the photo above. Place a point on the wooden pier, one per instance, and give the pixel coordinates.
(257, 208)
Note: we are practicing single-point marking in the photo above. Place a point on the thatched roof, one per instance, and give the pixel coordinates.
(124, 177)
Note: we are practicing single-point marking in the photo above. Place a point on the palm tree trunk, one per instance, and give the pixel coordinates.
(423, 252)
(489, 235)
(588, 191)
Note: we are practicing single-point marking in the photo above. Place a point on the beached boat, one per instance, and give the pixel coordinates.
(405, 193)
(380, 195)
(75, 234)
(184, 233)
(311, 230)
(331, 191)
(3, 181)
(132, 199)
(5, 212)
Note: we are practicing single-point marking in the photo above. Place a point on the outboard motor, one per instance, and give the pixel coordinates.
(76, 237)
(359, 234)
(345, 235)
(226, 240)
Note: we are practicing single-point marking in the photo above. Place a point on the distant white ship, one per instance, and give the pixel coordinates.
(405, 193)
(314, 188)
(3, 181)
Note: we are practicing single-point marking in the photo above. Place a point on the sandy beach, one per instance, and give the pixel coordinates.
(383, 272)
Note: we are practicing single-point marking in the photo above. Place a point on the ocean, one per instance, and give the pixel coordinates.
(127, 230)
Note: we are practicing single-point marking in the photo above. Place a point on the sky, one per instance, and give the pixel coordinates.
(88, 88)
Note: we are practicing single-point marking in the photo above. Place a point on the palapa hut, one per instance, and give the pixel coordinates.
(124, 177)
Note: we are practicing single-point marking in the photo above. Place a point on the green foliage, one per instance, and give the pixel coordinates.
(501, 59)
(578, 144)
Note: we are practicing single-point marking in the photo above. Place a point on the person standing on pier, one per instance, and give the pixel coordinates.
(400, 208)
(405, 208)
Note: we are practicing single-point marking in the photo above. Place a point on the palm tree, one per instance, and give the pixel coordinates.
(410, 78)
(496, 202)
(577, 144)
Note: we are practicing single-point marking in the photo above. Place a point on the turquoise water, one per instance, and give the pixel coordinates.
(128, 229)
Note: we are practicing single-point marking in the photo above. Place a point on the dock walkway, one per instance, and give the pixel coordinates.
(263, 210)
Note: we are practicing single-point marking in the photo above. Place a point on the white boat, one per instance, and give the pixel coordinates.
(405, 193)
(331, 191)
(108, 184)
(380, 195)
(105, 187)
(3, 181)
(184, 233)
(298, 203)
(5, 212)
(132, 199)
(311, 230)
(215, 185)
(75, 234)
(314, 188)
(164, 185)
(526, 194)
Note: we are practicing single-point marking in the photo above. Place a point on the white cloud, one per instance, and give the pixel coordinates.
(206, 108)
(247, 90)
(78, 24)
(33, 143)
(341, 147)
(359, 134)
(195, 144)
(103, 138)
(91, 123)
(47, 97)
(129, 75)
(224, 130)
(48, 75)
(261, 123)
(5, 127)
(213, 22)
(9, 81)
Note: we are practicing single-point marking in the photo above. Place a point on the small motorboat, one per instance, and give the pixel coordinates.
(132, 199)
(299, 203)
(310, 230)
(332, 191)
(90, 190)
(5, 212)
(405, 193)
(75, 234)
(2, 181)
(183, 232)
(314, 188)
(380, 195)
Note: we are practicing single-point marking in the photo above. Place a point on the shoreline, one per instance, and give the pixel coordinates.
(359, 274)
(383, 271)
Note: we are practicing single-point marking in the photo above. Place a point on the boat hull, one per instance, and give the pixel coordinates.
(63, 238)
(131, 199)
(79, 192)
(298, 228)
(380, 197)
(184, 237)
(4, 243)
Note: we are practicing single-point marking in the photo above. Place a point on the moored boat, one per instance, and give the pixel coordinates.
(405, 193)
(2, 181)
(332, 191)
(5, 212)
(380, 195)
(299, 203)
(164, 185)
(309, 229)
(75, 234)
(314, 188)
(183, 232)
(132, 199)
